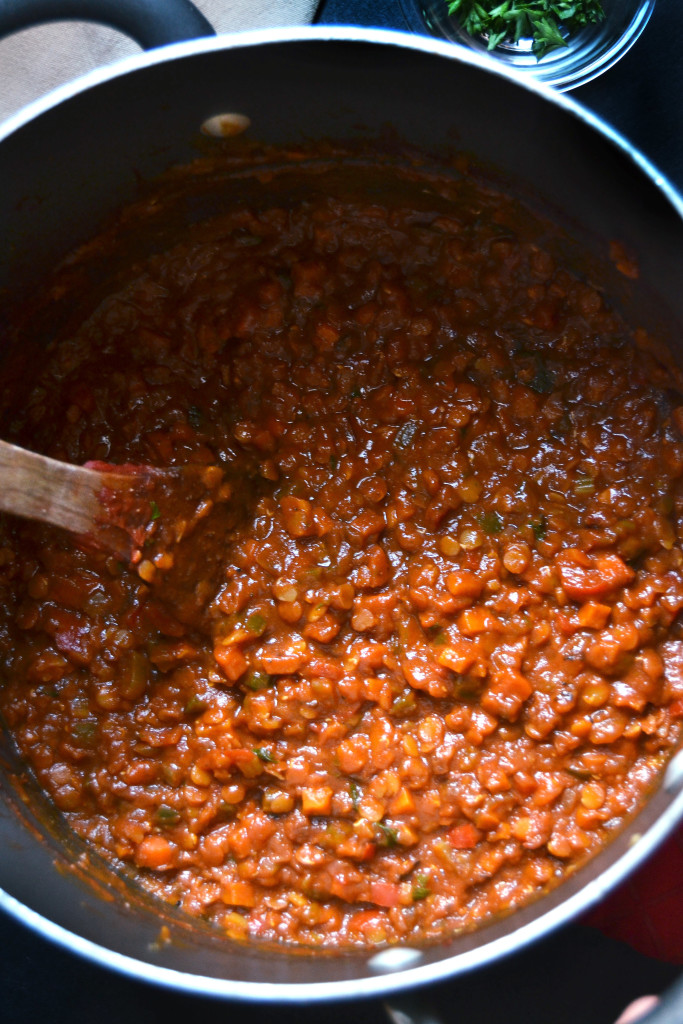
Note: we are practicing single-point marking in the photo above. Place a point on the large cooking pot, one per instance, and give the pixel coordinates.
(70, 159)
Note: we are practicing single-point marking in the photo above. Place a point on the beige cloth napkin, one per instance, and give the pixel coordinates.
(36, 60)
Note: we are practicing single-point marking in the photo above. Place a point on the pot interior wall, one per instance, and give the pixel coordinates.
(68, 168)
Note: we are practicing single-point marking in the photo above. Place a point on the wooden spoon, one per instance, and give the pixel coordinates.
(136, 513)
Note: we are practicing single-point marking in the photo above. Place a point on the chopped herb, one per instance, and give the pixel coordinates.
(334, 462)
(546, 22)
(405, 434)
(85, 731)
(438, 636)
(356, 794)
(166, 815)
(47, 691)
(154, 510)
(264, 755)
(354, 393)
(420, 890)
(388, 835)
(543, 381)
(256, 680)
(194, 415)
(539, 527)
(491, 522)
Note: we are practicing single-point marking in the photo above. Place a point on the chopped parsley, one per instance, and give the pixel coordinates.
(545, 22)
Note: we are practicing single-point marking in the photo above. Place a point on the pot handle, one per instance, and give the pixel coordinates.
(150, 23)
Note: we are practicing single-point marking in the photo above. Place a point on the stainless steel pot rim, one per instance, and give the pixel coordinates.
(402, 974)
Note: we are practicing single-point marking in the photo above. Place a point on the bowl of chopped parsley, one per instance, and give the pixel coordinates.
(565, 43)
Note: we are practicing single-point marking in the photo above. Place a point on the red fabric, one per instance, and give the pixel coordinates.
(647, 910)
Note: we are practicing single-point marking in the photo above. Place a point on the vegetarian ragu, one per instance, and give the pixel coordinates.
(439, 666)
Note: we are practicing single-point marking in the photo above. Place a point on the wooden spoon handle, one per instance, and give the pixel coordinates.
(112, 508)
(37, 487)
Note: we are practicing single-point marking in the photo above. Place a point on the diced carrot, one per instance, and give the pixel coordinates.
(366, 524)
(238, 894)
(231, 660)
(506, 694)
(478, 620)
(403, 802)
(316, 800)
(464, 584)
(156, 853)
(358, 849)
(594, 615)
(284, 657)
(459, 655)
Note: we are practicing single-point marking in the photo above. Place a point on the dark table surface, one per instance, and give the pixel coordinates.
(578, 976)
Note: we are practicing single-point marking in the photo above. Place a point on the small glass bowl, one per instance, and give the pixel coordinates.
(588, 53)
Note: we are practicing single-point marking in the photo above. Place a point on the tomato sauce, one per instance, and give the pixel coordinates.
(436, 663)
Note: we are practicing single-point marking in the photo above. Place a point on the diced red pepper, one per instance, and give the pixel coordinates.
(463, 837)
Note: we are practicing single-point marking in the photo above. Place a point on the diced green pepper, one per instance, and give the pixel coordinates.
(256, 624)
(420, 890)
(196, 705)
(491, 522)
(255, 680)
(585, 485)
(166, 815)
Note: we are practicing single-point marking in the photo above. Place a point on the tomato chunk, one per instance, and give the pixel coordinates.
(585, 577)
